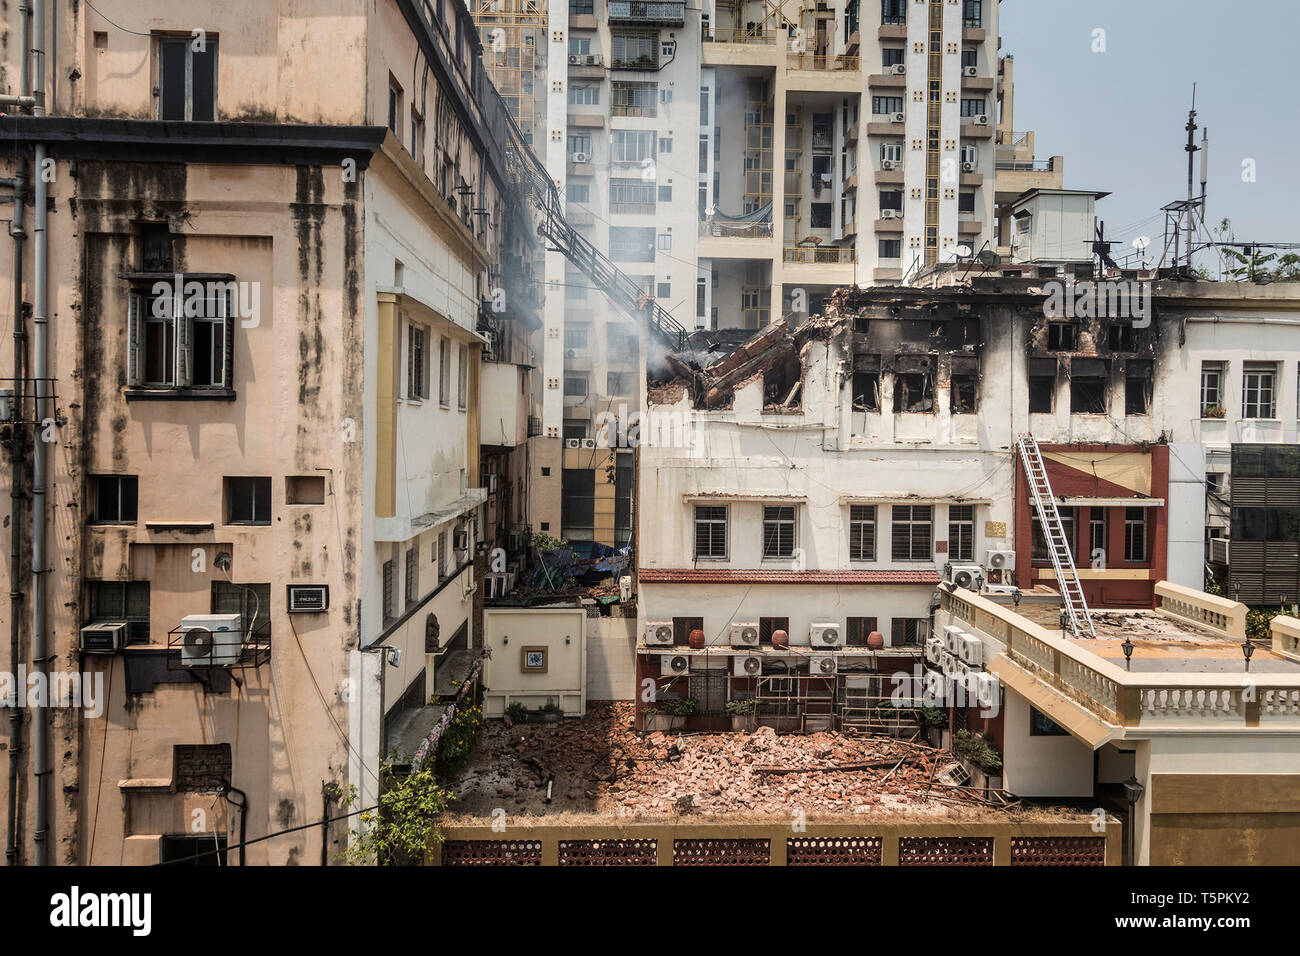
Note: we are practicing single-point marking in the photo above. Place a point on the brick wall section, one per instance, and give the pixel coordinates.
(202, 766)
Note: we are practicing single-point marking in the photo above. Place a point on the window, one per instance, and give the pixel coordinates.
(966, 201)
(183, 342)
(1137, 387)
(579, 143)
(1120, 338)
(972, 14)
(1061, 337)
(440, 556)
(618, 383)
(666, 193)
(1040, 725)
(584, 96)
(575, 337)
(908, 631)
(913, 392)
(973, 107)
(390, 609)
(858, 630)
(1097, 534)
(881, 105)
(969, 153)
(890, 248)
(710, 532)
(1135, 534)
(634, 99)
(631, 196)
(1038, 551)
(704, 152)
(248, 500)
(577, 192)
(462, 378)
(891, 199)
(580, 46)
(444, 371)
(1042, 392)
(912, 531)
(866, 391)
(682, 627)
(115, 499)
(1088, 395)
(417, 363)
(862, 532)
(664, 241)
(963, 386)
(181, 849)
(1258, 395)
(893, 56)
(666, 143)
(701, 296)
(632, 243)
(891, 152)
(252, 602)
(767, 626)
(115, 601)
(969, 57)
(961, 532)
(893, 12)
(187, 80)
(819, 215)
(575, 386)
(638, 51)
(1213, 375)
(395, 107)
(704, 106)
(304, 489)
(778, 531)
(412, 577)
(417, 137)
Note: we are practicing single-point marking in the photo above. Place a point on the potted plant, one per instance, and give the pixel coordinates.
(742, 713)
(670, 713)
(935, 722)
(980, 758)
(1214, 411)
(516, 712)
(550, 713)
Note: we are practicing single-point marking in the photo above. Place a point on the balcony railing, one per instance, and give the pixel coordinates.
(736, 230)
(1033, 166)
(816, 61)
(721, 34)
(819, 255)
(660, 13)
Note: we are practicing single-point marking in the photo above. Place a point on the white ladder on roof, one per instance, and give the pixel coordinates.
(1058, 547)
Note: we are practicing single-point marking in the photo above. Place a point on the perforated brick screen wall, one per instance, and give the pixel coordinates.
(1058, 851)
(609, 852)
(492, 853)
(722, 853)
(945, 851)
(832, 851)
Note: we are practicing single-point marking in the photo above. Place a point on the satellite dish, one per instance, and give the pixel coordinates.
(963, 251)
(1141, 242)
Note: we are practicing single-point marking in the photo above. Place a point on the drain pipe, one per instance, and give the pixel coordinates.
(17, 455)
(40, 345)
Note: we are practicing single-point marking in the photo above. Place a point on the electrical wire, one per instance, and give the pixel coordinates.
(116, 25)
(269, 836)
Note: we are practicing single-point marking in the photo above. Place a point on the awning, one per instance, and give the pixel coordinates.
(1080, 722)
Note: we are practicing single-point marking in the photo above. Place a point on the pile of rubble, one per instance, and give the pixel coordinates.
(600, 765)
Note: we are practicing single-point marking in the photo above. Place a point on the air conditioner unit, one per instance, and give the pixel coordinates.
(588, 443)
(970, 680)
(594, 59)
(968, 167)
(900, 117)
(574, 59)
(826, 635)
(952, 638)
(890, 164)
(744, 635)
(659, 634)
(674, 663)
(211, 640)
(821, 665)
(988, 689)
(460, 539)
(933, 650)
(971, 71)
(981, 120)
(103, 638)
(581, 158)
(898, 69)
(308, 598)
(1000, 567)
(573, 443)
(492, 484)
(963, 575)
(972, 651)
(948, 664)
(1219, 550)
(891, 214)
(515, 541)
(747, 665)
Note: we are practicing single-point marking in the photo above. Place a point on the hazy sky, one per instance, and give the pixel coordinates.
(1118, 116)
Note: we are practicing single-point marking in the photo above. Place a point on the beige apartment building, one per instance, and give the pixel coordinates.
(266, 411)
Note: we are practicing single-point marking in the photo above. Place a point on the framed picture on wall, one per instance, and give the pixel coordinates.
(532, 660)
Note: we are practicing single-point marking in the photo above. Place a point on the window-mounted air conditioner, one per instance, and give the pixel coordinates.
(308, 598)
(103, 638)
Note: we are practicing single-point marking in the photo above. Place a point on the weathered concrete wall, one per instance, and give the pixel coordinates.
(611, 658)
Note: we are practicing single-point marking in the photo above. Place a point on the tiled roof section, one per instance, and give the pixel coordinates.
(764, 576)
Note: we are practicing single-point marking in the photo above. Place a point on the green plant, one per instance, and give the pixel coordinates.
(458, 741)
(550, 707)
(741, 708)
(398, 831)
(979, 750)
(676, 707)
(1259, 622)
(517, 712)
(934, 717)
(544, 542)
(1214, 411)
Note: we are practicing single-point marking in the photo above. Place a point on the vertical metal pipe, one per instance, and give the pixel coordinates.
(40, 344)
(17, 456)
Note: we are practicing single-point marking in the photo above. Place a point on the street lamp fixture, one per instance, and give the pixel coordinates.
(1127, 647)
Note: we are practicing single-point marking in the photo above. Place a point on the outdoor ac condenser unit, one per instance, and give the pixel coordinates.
(659, 634)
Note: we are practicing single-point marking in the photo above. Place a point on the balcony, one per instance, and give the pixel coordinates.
(809, 254)
(642, 13)
(1016, 177)
(591, 65)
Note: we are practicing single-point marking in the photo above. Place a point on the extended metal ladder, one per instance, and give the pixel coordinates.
(527, 171)
(1058, 547)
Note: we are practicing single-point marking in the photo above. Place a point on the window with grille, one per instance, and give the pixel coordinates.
(1212, 381)
(632, 243)
(974, 107)
(444, 371)
(768, 625)
(778, 531)
(389, 598)
(417, 363)
(862, 532)
(909, 631)
(710, 532)
(913, 527)
(440, 555)
(252, 602)
(114, 601)
(412, 577)
(634, 99)
(859, 629)
(182, 341)
(1038, 551)
(635, 50)
(631, 145)
(682, 627)
(961, 532)
(631, 196)
(1135, 534)
(462, 378)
